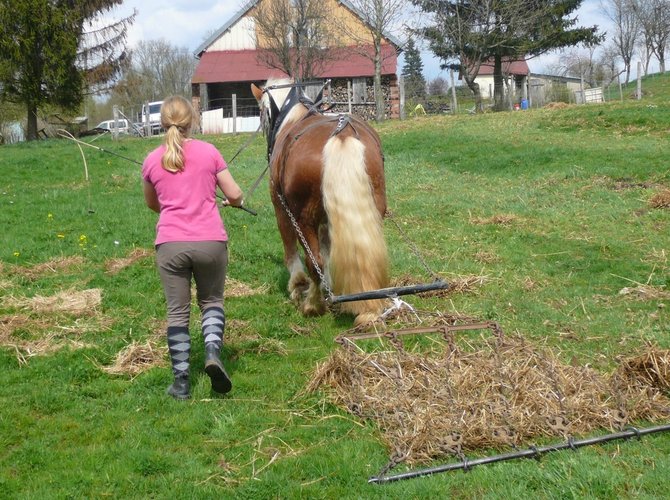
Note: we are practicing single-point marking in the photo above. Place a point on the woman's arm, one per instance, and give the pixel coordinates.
(150, 197)
(230, 189)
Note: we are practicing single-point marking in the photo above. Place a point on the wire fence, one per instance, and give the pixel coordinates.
(541, 92)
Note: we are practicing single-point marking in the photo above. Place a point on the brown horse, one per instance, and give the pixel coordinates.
(328, 190)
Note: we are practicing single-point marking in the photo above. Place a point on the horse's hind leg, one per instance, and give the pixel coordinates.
(314, 305)
(298, 282)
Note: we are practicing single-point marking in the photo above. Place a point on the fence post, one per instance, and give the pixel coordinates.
(638, 92)
(401, 91)
(454, 102)
(145, 119)
(349, 94)
(234, 104)
(115, 130)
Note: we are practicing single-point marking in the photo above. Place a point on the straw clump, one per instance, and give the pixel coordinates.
(661, 199)
(138, 357)
(114, 266)
(235, 288)
(502, 392)
(77, 303)
(58, 265)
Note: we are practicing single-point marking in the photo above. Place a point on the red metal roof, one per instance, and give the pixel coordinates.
(242, 66)
(508, 68)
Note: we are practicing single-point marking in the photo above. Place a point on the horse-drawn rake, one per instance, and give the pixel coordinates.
(436, 391)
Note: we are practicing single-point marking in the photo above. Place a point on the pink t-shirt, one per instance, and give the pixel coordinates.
(188, 198)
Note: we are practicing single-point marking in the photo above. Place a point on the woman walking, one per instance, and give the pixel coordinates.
(180, 181)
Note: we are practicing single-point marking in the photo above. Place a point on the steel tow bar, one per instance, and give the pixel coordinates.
(532, 452)
(387, 293)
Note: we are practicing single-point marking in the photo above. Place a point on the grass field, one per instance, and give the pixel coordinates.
(552, 214)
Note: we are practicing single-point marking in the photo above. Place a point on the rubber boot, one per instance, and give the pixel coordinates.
(180, 388)
(214, 368)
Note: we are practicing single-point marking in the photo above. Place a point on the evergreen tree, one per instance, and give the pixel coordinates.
(412, 70)
(45, 58)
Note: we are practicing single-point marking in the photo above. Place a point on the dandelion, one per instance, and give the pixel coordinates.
(16, 253)
(50, 216)
(60, 235)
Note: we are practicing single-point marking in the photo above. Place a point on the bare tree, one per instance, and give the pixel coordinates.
(626, 30)
(381, 17)
(153, 70)
(438, 86)
(293, 36)
(654, 18)
(595, 67)
(608, 68)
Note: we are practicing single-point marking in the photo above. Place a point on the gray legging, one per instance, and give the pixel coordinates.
(178, 262)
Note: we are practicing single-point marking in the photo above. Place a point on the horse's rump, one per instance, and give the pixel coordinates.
(335, 176)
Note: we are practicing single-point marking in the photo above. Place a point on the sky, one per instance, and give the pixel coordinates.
(188, 23)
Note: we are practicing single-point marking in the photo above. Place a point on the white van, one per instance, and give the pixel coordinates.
(124, 126)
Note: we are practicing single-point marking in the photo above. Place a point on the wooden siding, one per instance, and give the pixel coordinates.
(240, 36)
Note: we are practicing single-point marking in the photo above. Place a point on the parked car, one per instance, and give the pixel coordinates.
(108, 125)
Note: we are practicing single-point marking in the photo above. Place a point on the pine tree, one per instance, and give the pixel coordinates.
(45, 57)
(412, 70)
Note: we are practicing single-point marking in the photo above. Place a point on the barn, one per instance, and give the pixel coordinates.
(231, 59)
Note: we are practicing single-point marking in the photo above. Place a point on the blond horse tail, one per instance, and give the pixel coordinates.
(358, 258)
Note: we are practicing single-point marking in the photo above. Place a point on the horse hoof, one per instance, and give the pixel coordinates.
(312, 310)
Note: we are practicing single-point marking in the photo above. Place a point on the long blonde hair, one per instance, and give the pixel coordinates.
(177, 117)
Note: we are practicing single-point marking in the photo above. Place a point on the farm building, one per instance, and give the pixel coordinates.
(516, 72)
(553, 88)
(235, 56)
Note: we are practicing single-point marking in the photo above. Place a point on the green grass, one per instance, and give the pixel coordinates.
(575, 186)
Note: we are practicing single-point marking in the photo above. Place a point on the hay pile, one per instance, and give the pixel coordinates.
(47, 342)
(138, 357)
(74, 302)
(660, 199)
(58, 265)
(493, 392)
(235, 288)
(114, 266)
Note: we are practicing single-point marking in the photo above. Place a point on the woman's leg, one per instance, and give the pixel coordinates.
(210, 261)
(175, 270)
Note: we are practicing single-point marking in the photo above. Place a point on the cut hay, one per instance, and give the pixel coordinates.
(499, 220)
(556, 105)
(45, 339)
(645, 292)
(488, 392)
(651, 369)
(660, 199)
(235, 288)
(113, 266)
(77, 303)
(457, 284)
(59, 265)
(138, 357)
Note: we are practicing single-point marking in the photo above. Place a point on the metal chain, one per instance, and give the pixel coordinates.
(322, 277)
(413, 247)
(396, 458)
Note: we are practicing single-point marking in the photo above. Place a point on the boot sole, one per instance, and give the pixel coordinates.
(220, 381)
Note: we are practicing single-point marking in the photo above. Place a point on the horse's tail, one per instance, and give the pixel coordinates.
(358, 258)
